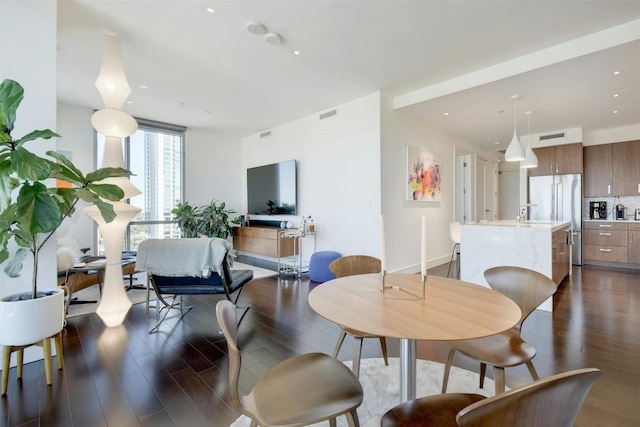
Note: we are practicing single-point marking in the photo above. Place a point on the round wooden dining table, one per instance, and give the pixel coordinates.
(451, 310)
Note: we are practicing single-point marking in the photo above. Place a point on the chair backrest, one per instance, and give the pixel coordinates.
(525, 287)
(351, 265)
(227, 320)
(454, 232)
(553, 401)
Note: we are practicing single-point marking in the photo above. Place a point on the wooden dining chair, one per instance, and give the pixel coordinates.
(351, 265)
(299, 391)
(553, 401)
(528, 289)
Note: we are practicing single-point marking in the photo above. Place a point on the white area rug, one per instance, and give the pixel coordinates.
(258, 273)
(381, 387)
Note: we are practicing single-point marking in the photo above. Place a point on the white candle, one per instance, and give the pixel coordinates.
(383, 249)
(423, 248)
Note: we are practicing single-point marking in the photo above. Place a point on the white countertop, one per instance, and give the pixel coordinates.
(552, 225)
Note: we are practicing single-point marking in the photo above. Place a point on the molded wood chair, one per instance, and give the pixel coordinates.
(528, 289)
(553, 401)
(299, 391)
(351, 265)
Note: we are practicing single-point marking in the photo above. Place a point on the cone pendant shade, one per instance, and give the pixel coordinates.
(530, 160)
(515, 150)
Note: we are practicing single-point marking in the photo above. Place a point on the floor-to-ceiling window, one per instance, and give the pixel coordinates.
(154, 154)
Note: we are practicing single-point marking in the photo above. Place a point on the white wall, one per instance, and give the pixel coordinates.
(213, 169)
(27, 47)
(24, 54)
(403, 218)
(78, 138)
(338, 165)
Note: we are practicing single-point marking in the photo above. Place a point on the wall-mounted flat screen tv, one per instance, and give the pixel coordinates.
(271, 189)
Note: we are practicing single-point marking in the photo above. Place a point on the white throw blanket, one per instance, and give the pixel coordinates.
(196, 257)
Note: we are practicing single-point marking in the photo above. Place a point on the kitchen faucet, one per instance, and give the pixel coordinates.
(522, 211)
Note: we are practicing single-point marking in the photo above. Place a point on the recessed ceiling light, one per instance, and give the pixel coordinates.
(144, 87)
(296, 52)
(617, 72)
(615, 111)
(496, 143)
(211, 10)
(615, 95)
(129, 102)
(446, 114)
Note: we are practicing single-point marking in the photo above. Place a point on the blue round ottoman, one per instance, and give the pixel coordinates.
(319, 266)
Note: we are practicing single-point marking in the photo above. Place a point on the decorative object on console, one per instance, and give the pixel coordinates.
(114, 124)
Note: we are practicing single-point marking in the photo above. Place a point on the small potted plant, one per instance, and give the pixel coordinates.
(31, 210)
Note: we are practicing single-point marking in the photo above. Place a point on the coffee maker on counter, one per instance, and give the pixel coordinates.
(620, 211)
(598, 210)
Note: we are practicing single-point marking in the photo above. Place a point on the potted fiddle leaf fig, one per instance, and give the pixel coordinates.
(32, 208)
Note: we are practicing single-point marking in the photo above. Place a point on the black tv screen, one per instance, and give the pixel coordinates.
(271, 189)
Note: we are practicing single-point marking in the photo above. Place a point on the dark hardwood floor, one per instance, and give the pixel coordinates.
(177, 377)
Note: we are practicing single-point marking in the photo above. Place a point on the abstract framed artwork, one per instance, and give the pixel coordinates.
(423, 173)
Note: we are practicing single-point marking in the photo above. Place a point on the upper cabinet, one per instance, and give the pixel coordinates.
(597, 170)
(559, 159)
(625, 164)
(612, 169)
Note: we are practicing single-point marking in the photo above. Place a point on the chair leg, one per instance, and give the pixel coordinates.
(447, 370)
(383, 345)
(532, 371)
(453, 251)
(352, 418)
(458, 261)
(357, 355)
(6, 357)
(498, 378)
(332, 422)
(483, 373)
(341, 338)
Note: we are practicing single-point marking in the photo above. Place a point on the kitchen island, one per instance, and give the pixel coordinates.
(543, 246)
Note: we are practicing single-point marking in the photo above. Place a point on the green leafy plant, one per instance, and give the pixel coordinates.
(38, 210)
(211, 220)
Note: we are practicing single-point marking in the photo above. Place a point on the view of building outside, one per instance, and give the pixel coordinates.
(155, 159)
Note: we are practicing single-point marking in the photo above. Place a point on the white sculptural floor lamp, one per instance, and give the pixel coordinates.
(114, 124)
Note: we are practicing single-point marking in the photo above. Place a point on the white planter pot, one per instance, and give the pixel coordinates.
(29, 321)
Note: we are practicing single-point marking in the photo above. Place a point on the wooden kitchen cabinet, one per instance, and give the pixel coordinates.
(625, 165)
(634, 243)
(597, 170)
(560, 261)
(558, 159)
(606, 241)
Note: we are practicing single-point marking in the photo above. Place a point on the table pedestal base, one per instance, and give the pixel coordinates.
(407, 370)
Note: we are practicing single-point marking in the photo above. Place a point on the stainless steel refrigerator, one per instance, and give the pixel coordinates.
(559, 198)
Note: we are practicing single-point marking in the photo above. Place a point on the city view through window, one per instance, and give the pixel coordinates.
(154, 156)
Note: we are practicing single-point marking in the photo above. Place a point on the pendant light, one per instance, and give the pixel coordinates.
(515, 150)
(530, 159)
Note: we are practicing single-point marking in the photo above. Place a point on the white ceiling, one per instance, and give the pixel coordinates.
(207, 71)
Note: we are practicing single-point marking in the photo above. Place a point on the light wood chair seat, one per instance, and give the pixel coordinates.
(553, 401)
(351, 265)
(299, 391)
(528, 289)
